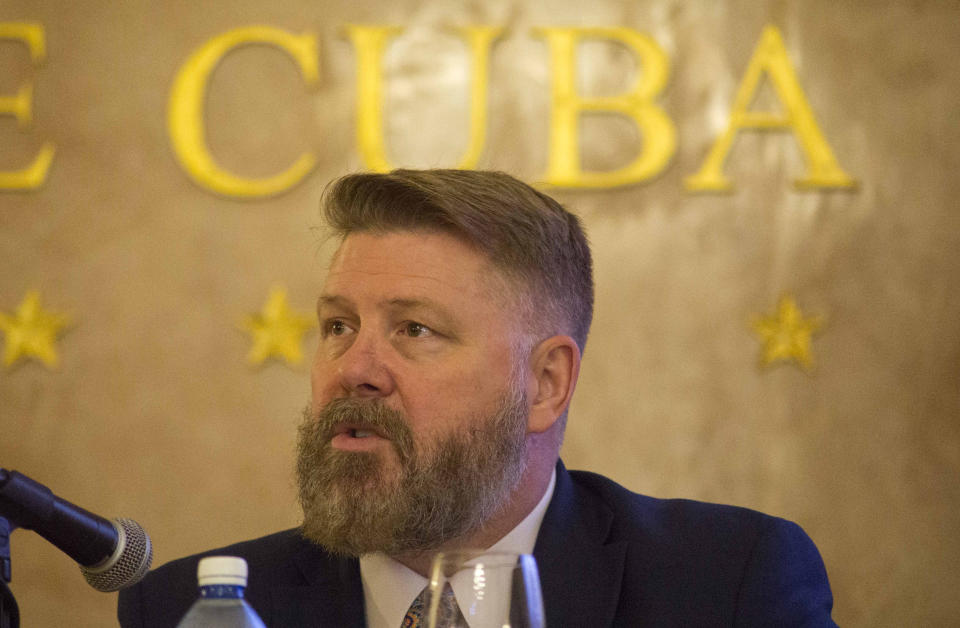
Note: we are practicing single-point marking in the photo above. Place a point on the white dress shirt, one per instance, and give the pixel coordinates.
(389, 587)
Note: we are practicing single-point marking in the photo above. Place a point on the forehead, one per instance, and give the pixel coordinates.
(412, 262)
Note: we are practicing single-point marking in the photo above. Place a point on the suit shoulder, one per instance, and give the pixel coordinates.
(266, 552)
(634, 514)
(165, 594)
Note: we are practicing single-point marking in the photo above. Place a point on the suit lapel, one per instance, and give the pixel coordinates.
(580, 572)
(331, 595)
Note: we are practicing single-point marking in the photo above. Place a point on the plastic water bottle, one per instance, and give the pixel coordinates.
(222, 580)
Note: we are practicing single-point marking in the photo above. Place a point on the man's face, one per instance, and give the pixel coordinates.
(418, 402)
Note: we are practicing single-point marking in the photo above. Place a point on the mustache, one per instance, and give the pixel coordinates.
(325, 422)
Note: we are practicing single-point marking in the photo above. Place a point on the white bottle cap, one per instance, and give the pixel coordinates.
(222, 570)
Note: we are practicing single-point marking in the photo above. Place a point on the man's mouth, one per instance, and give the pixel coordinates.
(357, 438)
(357, 430)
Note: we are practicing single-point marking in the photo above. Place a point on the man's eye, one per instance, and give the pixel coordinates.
(415, 330)
(335, 327)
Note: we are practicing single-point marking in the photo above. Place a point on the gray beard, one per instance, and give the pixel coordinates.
(351, 507)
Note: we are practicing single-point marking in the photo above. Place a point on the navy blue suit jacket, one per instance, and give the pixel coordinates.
(607, 557)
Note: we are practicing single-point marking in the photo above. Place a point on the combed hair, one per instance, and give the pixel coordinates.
(536, 244)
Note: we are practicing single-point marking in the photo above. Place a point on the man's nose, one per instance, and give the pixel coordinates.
(362, 368)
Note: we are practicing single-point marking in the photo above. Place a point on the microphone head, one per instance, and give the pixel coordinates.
(129, 562)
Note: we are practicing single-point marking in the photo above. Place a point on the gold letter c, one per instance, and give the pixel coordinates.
(186, 111)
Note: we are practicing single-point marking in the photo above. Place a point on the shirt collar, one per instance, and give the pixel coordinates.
(389, 587)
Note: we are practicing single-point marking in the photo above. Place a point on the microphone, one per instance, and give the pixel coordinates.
(112, 555)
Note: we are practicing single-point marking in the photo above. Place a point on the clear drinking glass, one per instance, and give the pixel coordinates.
(484, 590)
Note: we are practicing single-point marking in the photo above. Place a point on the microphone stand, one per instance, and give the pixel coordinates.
(9, 613)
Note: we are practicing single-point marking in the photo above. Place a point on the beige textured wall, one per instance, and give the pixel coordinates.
(153, 413)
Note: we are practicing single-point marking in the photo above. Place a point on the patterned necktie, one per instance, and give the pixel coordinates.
(449, 612)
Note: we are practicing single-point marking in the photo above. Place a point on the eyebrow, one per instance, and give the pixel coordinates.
(414, 303)
(334, 301)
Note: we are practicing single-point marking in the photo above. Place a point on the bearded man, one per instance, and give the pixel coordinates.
(453, 320)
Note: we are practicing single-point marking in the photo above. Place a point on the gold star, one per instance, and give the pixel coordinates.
(786, 335)
(277, 330)
(31, 332)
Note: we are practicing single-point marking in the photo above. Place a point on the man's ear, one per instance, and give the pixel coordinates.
(555, 366)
